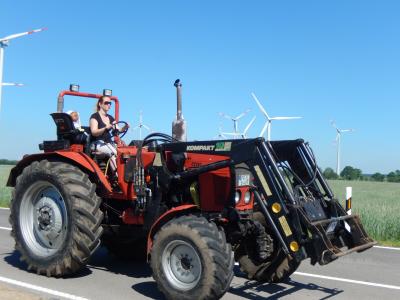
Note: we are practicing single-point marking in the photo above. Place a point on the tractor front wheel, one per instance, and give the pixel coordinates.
(55, 218)
(191, 259)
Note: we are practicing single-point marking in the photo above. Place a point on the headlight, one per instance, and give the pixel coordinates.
(74, 87)
(237, 196)
(247, 197)
(107, 92)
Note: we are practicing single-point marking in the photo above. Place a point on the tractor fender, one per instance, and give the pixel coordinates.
(164, 218)
(78, 159)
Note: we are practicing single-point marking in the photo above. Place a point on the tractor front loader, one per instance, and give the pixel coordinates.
(190, 208)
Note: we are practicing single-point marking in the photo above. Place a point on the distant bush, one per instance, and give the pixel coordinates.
(329, 173)
(351, 173)
(393, 176)
(8, 162)
(378, 177)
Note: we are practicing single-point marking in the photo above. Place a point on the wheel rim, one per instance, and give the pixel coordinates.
(43, 218)
(181, 265)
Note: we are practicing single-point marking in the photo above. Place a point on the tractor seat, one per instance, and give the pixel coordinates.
(66, 129)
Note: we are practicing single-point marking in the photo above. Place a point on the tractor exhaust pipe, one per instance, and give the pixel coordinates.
(179, 124)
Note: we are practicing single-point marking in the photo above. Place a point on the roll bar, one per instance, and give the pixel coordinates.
(60, 100)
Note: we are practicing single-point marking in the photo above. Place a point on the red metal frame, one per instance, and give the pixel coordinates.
(89, 95)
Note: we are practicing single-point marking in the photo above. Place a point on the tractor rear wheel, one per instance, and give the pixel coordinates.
(55, 218)
(191, 259)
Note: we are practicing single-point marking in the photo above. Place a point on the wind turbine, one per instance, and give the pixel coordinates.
(4, 43)
(244, 133)
(12, 84)
(220, 133)
(268, 123)
(338, 138)
(141, 125)
(235, 121)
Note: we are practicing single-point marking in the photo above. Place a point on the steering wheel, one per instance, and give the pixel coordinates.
(116, 132)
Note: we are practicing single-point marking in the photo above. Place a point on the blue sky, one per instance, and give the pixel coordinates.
(321, 60)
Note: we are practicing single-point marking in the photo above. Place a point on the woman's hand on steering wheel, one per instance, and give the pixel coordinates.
(120, 132)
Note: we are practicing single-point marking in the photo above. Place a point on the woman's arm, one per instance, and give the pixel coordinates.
(94, 127)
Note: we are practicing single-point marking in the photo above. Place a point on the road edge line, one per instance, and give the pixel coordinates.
(387, 286)
(40, 289)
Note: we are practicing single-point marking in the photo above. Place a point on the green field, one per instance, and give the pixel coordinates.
(5, 192)
(378, 204)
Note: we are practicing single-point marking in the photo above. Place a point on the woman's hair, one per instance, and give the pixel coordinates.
(101, 100)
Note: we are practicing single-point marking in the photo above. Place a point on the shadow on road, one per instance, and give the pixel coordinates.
(13, 259)
(251, 289)
(101, 260)
(148, 289)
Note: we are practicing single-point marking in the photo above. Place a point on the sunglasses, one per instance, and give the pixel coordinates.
(107, 103)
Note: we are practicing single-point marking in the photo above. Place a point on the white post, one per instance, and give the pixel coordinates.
(349, 194)
(1, 69)
(338, 156)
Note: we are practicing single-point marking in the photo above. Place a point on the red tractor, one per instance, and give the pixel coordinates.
(190, 208)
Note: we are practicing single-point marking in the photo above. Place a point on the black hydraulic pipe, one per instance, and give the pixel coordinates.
(270, 220)
(200, 170)
(321, 179)
(278, 173)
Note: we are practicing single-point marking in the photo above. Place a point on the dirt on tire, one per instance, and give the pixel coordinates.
(84, 217)
(210, 245)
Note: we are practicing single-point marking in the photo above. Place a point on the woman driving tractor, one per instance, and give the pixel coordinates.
(101, 125)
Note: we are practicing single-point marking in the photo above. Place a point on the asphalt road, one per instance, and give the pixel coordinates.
(374, 274)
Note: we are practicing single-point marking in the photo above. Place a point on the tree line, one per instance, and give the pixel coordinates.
(350, 173)
(8, 162)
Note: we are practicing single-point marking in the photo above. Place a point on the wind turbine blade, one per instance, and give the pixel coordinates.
(346, 130)
(12, 84)
(229, 133)
(147, 127)
(242, 114)
(17, 35)
(259, 105)
(264, 129)
(285, 118)
(248, 126)
(334, 124)
(225, 116)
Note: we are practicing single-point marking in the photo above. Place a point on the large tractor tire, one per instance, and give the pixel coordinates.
(191, 259)
(55, 218)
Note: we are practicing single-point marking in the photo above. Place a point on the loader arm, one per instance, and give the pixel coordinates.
(291, 193)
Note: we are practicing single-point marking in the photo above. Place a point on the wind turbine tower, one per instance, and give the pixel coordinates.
(338, 140)
(268, 123)
(241, 134)
(141, 125)
(4, 42)
(235, 120)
